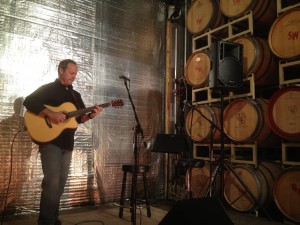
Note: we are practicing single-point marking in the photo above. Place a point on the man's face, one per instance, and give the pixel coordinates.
(68, 75)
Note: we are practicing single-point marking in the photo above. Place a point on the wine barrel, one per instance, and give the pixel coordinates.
(197, 69)
(264, 12)
(200, 180)
(244, 120)
(283, 113)
(198, 128)
(236, 195)
(260, 181)
(271, 171)
(203, 15)
(259, 60)
(287, 194)
(284, 35)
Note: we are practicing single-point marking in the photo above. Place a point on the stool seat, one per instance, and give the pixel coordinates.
(141, 170)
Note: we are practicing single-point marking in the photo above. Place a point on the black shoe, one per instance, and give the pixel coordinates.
(57, 222)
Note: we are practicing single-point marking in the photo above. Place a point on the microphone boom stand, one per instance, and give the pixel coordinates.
(137, 130)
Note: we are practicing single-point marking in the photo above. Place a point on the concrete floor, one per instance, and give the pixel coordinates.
(108, 215)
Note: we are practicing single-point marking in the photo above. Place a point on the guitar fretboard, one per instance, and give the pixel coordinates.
(81, 112)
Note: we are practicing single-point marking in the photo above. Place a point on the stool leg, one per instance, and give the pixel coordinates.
(189, 185)
(146, 195)
(122, 199)
(133, 198)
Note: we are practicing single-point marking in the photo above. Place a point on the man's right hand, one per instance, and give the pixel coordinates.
(54, 117)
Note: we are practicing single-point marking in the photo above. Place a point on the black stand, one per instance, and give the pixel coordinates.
(169, 144)
(137, 130)
(222, 161)
(213, 126)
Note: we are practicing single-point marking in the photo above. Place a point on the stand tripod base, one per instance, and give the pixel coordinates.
(237, 196)
(240, 191)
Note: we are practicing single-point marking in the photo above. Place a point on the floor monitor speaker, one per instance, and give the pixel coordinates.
(197, 211)
(227, 65)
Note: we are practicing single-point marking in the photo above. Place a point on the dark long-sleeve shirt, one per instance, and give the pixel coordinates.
(55, 94)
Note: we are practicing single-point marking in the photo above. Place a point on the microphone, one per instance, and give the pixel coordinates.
(123, 77)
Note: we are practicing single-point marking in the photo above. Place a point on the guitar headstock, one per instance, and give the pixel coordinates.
(117, 103)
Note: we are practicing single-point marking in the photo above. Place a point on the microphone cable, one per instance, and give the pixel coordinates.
(10, 176)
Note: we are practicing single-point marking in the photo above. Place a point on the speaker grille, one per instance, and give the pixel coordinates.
(230, 72)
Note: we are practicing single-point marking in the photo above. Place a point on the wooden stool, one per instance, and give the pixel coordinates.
(141, 170)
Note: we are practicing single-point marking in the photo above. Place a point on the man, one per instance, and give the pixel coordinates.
(56, 154)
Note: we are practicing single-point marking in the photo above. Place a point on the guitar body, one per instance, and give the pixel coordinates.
(42, 130)
(38, 128)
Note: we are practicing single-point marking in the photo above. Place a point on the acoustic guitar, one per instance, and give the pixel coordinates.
(41, 129)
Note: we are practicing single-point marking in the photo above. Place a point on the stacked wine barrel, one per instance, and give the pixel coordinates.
(263, 121)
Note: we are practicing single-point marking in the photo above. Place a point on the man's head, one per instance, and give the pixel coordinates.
(67, 71)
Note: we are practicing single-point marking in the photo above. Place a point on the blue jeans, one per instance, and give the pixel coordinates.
(55, 164)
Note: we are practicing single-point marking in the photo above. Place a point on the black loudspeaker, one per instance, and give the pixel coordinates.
(170, 143)
(227, 65)
(197, 211)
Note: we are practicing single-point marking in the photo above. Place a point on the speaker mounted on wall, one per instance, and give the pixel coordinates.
(227, 65)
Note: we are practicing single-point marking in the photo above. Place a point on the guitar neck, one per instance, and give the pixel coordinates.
(83, 111)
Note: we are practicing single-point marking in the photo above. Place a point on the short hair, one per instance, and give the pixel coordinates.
(64, 64)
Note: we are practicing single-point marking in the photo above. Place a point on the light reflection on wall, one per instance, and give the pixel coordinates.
(34, 37)
(27, 64)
